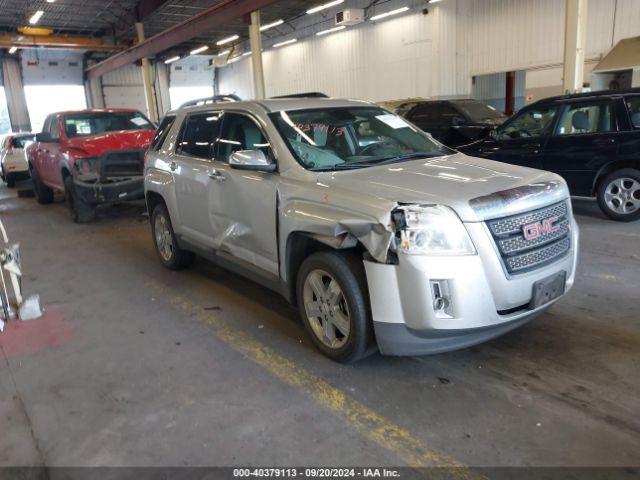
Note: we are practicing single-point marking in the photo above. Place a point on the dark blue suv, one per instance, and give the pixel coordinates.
(590, 139)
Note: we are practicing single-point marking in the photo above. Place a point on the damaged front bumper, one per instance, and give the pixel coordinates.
(111, 191)
(481, 301)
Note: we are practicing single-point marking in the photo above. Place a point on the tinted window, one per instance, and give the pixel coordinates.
(425, 114)
(633, 104)
(479, 112)
(162, 132)
(198, 135)
(240, 133)
(534, 122)
(581, 118)
(448, 113)
(94, 123)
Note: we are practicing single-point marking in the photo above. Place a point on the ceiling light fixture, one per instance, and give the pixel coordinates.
(13, 50)
(224, 52)
(331, 30)
(204, 48)
(388, 14)
(172, 59)
(271, 25)
(35, 18)
(227, 40)
(288, 42)
(322, 7)
(246, 53)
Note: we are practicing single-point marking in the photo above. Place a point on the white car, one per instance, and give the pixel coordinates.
(13, 161)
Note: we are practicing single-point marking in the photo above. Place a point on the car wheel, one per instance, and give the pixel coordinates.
(164, 238)
(43, 193)
(81, 212)
(619, 195)
(334, 305)
(10, 179)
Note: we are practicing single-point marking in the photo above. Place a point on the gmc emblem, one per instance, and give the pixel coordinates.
(534, 230)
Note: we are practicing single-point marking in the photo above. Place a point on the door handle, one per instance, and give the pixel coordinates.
(216, 175)
(603, 141)
(173, 166)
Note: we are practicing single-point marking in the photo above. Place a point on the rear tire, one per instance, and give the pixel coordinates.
(44, 194)
(81, 212)
(619, 195)
(333, 301)
(164, 239)
(10, 179)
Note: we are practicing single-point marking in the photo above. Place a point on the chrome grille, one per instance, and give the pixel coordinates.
(520, 254)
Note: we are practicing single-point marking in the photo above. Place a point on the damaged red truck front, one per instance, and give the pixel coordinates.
(95, 157)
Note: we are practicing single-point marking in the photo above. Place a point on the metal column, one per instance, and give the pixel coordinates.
(147, 79)
(255, 42)
(14, 91)
(575, 39)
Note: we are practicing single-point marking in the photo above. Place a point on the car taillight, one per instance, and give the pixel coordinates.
(10, 145)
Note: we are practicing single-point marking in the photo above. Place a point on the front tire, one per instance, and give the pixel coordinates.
(43, 193)
(164, 239)
(333, 301)
(619, 195)
(81, 212)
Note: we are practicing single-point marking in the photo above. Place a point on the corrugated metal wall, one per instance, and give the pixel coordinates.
(435, 54)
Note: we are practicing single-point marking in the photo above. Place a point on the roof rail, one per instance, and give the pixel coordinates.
(216, 98)
(304, 95)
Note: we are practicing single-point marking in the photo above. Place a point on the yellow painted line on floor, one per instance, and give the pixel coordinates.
(366, 421)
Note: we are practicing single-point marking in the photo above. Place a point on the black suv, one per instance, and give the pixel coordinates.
(590, 139)
(453, 122)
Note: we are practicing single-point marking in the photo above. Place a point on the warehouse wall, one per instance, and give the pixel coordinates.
(435, 54)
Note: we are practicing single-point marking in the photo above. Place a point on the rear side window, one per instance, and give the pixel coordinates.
(633, 104)
(582, 118)
(198, 135)
(162, 132)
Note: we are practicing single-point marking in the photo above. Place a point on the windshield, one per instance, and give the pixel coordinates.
(480, 112)
(95, 123)
(352, 137)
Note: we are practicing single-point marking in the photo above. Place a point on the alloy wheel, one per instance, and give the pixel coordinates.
(164, 239)
(622, 195)
(326, 308)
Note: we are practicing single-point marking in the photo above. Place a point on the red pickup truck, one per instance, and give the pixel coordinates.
(93, 156)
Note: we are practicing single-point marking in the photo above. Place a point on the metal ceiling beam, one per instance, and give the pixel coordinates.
(51, 41)
(204, 21)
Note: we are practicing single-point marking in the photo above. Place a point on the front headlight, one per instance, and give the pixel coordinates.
(431, 230)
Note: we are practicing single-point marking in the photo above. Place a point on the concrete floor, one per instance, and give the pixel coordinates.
(136, 365)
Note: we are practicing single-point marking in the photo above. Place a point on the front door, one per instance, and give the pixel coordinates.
(520, 141)
(584, 139)
(243, 203)
(191, 164)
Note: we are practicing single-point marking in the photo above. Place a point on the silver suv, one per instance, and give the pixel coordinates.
(381, 235)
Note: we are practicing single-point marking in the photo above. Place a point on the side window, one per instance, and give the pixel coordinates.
(240, 133)
(198, 135)
(633, 105)
(162, 132)
(448, 113)
(531, 123)
(581, 118)
(54, 129)
(47, 125)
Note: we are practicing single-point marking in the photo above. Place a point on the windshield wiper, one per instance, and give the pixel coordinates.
(409, 156)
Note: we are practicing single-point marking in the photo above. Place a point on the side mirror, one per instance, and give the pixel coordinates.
(254, 160)
(493, 133)
(458, 121)
(44, 138)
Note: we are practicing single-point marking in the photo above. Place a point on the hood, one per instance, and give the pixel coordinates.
(458, 181)
(123, 140)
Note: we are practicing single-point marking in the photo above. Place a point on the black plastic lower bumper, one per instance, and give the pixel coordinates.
(110, 192)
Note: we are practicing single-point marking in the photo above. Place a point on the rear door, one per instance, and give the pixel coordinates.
(584, 139)
(192, 165)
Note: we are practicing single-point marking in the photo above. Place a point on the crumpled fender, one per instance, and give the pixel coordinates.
(326, 222)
